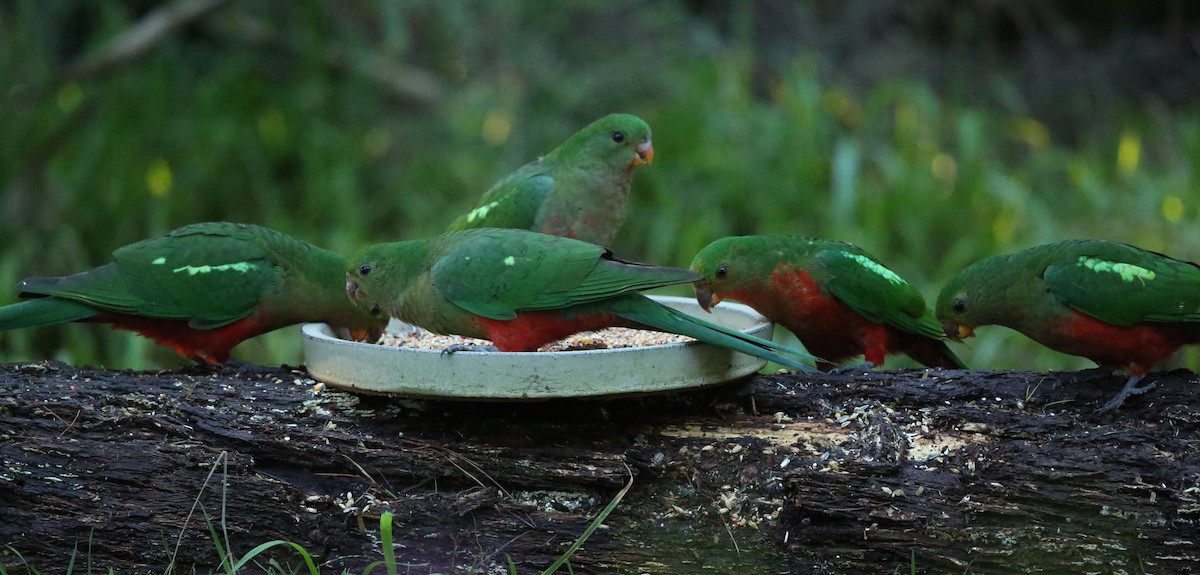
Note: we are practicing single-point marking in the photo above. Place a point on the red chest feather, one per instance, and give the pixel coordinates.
(531, 330)
(826, 326)
(802, 297)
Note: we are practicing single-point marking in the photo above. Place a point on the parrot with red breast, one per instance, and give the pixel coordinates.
(1116, 304)
(201, 289)
(837, 299)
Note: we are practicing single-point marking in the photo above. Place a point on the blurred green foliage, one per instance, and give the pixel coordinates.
(345, 123)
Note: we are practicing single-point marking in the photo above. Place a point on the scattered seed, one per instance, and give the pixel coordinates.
(608, 338)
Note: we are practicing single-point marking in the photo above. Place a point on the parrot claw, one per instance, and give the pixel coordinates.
(1131, 388)
(457, 347)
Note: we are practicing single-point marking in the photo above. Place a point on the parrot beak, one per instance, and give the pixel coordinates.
(366, 334)
(353, 291)
(705, 296)
(957, 332)
(644, 156)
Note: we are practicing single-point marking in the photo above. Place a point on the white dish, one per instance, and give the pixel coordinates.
(425, 373)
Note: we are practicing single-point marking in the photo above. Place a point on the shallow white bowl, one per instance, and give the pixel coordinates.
(427, 373)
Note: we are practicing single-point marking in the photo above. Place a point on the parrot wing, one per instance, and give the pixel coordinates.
(522, 271)
(876, 292)
(1124, 285)
(512, 202)
(210, 274)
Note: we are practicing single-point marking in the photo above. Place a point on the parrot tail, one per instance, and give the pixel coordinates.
(42, 311)
(654, 315)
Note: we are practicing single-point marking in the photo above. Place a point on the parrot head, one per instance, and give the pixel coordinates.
(621, 141)
(954, 328)
(963, 305)
(727, 266)
(377, 276)
(358, 295)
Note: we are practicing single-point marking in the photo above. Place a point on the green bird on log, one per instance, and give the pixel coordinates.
(1118, 305)
(838, 300)
(201, 289)
(579, 190)
(522, 290)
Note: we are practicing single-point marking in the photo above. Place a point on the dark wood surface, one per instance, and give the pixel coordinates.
(955, 472)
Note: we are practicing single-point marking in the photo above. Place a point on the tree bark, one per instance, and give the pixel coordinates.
(947, 471)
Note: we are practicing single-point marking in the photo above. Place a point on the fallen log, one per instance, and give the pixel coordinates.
(950, 471)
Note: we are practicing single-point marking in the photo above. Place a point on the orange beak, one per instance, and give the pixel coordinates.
(644, 155)
(957, 332)
(360, 334)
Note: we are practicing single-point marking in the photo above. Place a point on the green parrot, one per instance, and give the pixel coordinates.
(579, 190)
(522, 290)
(201, 289)
(835, 297)
(1115, 304)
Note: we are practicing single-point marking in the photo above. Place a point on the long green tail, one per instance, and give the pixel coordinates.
(650, 313)
(42, 311)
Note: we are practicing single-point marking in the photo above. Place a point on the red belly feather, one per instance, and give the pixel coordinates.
(211, 346)
(1137, 348)
(531, 330)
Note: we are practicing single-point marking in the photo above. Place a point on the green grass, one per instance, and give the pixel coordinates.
(285, 129)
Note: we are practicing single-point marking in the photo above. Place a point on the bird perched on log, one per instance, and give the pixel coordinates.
(1118, 305)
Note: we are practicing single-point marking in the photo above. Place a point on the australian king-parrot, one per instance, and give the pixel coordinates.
(1118, 305)
(579, 190)
(837, 299)
(201, 289)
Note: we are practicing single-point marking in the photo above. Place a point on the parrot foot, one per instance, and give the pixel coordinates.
(851, 369)
(457, 347)
(1131, 388)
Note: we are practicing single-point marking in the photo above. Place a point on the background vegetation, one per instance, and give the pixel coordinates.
(931, 133)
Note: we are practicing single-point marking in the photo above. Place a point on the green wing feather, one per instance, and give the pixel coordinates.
(512, 202)
(210, 274)
(1124, 285)
(528, 271)
(875, 292)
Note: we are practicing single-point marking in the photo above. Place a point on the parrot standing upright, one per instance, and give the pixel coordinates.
(579, 190)
(201, 289)
(522, 290)
(836, 298)
(1115, 304)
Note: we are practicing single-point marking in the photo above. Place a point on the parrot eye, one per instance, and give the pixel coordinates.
(960, 305)
(618, 137)
(722, 271)
(364, 269)
(375, 310)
